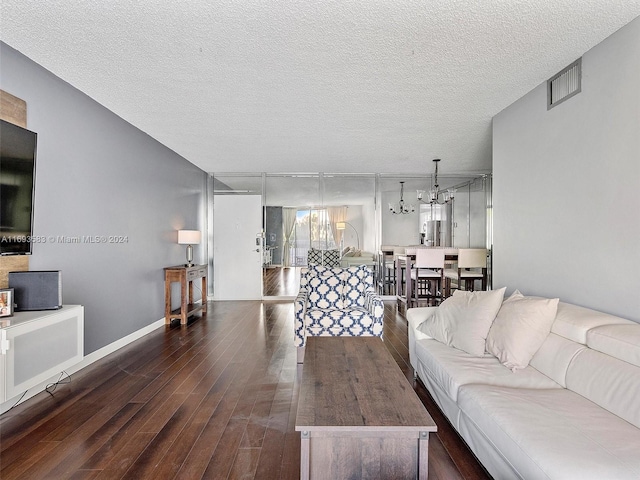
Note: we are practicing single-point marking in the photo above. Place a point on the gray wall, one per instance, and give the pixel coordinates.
(97, 175)
(567, 186)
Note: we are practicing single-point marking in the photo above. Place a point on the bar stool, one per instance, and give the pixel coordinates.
(427, 275)
(386, 269)
(472, 266)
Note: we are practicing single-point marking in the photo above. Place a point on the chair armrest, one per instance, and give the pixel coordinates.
(300, 311)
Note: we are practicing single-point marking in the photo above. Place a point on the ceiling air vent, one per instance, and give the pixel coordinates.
(564, 84)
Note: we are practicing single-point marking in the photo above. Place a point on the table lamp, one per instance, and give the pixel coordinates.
(189, 238)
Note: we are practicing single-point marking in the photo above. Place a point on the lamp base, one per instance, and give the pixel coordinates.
(189, 256)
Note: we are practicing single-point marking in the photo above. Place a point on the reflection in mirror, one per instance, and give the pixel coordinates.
(470, 227)
(460, 223)
(350, 204)
(436, 224)
(302, 213)
(290, 202)
(400, 228)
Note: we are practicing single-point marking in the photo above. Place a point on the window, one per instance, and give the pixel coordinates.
(312, 230)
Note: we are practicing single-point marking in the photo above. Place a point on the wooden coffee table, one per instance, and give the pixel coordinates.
(357, 413)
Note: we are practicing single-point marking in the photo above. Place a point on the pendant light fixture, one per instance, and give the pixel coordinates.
(435, 193)
(401, 208)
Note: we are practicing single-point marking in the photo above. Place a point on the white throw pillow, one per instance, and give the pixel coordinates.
(464, 319)
(438, 327)
(520, 328)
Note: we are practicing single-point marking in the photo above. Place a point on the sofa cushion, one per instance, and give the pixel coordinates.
(337, 322)
(573, 322)
(451, 368)
(325, 287)
(551, 433)
(611, 383)
(520, 328)
(554, 356)
(620, 341)
(464, 319)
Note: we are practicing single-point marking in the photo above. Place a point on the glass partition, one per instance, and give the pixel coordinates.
(460, 223)
(470, 215)
(289, 203)
(350, 202)
(352, 213)
(321, 211)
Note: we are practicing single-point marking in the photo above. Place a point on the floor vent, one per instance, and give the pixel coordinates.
(564, 84)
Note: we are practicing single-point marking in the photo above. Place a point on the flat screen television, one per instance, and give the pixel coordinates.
(17, 192)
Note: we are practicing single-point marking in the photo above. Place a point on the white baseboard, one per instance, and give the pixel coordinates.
(86, 361)
(118, 344)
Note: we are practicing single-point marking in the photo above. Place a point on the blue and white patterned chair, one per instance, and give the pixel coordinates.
(335, 302)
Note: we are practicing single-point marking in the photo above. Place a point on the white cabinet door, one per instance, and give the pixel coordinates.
(41, 344)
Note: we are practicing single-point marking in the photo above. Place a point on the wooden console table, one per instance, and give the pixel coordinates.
(358, 416)
(185, 275)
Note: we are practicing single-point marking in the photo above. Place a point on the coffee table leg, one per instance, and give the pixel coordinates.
(423, 456)
(304, 455)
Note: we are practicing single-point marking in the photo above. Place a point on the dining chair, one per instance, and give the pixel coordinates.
(427, 275)
(386, 269)
(472, 266)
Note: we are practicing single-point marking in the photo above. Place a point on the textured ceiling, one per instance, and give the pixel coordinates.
(312, 85)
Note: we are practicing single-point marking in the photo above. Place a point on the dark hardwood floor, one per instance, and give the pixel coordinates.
(214, 399)
(281, 281)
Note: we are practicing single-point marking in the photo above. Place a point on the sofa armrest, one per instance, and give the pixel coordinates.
(415, 318)
(300, 311)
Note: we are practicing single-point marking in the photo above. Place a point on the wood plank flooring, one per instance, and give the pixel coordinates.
(281, 281)
(215, 399)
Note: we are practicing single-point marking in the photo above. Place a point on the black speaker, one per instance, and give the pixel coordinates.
(36, 290)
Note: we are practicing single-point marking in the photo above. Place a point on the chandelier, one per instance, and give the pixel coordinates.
(401, 208)
(435, 192)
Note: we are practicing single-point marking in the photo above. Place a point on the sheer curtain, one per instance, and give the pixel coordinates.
(337, 214)
(288, 225)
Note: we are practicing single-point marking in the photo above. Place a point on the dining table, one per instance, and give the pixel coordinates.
(404, 263)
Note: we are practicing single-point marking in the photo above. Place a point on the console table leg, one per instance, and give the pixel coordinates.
(185, 276)
(167, 302)
(183, 302)
(204, 294)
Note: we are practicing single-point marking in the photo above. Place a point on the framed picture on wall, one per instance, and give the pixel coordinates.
(6, 302)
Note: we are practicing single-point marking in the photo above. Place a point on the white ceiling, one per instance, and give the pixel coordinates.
(317, 85)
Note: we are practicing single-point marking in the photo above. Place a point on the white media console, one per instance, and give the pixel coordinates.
(35, 347)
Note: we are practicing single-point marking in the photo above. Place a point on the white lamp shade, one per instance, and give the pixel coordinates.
(189, 237)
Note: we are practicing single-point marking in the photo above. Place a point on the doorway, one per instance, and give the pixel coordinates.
(238, 238)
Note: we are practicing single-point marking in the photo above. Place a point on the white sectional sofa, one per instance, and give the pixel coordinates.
(572, 413)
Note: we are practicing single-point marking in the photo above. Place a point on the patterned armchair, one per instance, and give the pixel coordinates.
(336, 301)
